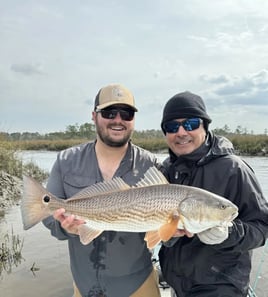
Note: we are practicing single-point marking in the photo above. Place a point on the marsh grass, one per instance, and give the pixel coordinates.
(8, 160)
(13, 165)
(244, 144)
(10, 252)
(11, 171)
(153, 144)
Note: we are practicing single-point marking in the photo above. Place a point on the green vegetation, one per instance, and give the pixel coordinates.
(72, 132)
(246, 143)
(10, 252)
(11, 171)
(153, 140)
(250, 144)
(8, 161)
(12, 165)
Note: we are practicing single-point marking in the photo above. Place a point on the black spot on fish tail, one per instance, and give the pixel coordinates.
(46, 198)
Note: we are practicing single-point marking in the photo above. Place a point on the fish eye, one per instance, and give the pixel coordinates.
(222, 206)
(46, 198)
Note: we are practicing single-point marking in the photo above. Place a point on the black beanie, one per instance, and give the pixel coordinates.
(185, 105)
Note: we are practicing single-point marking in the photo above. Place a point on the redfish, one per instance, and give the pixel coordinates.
(152, 206)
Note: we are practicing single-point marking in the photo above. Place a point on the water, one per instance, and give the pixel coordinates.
(50, 256)
(43, 159)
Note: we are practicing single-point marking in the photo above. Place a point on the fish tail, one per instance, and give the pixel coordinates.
(33, 210)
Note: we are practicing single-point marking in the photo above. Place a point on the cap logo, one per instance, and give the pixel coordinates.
(117, 92)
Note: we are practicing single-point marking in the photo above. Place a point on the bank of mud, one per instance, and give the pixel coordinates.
(10, 191)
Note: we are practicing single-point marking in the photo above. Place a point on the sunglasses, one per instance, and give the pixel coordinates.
(125, 114)
(188, 125)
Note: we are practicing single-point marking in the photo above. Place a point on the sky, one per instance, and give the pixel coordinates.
(56, 55)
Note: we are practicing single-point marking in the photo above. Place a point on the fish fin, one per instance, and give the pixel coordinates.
(181, 224)
(106, 187)
(167, 230)
(87, 234)
(33, 209)
(152, 239)
(152, 177)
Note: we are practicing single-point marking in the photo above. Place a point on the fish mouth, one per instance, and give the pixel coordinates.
(234, 215)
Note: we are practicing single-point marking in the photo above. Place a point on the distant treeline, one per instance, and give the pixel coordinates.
(153, 140)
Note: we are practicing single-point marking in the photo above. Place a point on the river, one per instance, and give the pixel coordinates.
(50, 257)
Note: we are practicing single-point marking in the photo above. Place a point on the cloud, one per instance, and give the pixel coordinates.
(217, 79)
(251, 89)
(27, 69)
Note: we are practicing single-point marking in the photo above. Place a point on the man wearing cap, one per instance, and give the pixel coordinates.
(217, 262)
(115, 264)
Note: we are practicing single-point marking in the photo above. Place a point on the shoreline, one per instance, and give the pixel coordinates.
(10, 193)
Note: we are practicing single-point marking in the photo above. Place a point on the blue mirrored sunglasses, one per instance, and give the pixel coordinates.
(188, 125)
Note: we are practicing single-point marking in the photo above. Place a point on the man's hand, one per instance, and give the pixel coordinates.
(69, 223)
(214, 235)
(182, 232)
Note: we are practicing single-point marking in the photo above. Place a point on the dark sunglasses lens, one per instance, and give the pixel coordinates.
(125, 114)
(108, 114)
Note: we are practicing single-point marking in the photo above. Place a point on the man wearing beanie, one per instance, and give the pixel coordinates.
(217, 262)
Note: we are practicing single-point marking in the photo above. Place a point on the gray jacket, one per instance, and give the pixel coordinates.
(116, 263)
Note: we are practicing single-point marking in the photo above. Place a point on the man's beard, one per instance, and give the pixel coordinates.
(110, 142)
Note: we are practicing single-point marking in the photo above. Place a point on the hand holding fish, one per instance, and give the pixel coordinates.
(69, 223)
(183, 232)
(215, 235)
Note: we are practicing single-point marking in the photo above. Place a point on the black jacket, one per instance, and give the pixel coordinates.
(189, 262)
